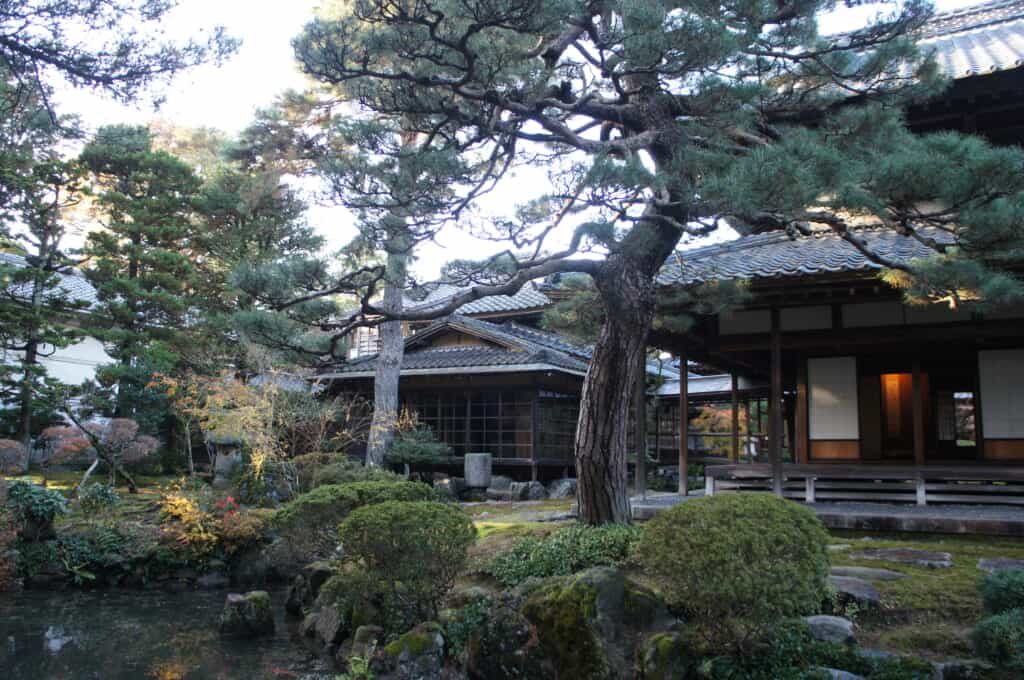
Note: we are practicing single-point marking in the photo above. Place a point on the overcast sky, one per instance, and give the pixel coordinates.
(225, 97)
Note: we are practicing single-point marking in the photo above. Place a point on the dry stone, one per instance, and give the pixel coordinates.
(918, 558)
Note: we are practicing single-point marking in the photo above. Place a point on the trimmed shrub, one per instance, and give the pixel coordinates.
(413, 550)
(98, 497)
(1002, 590)
(310, 522)
(35, 507)
(1000, 639)
(564, 552)
(736, 564)
(346, 471)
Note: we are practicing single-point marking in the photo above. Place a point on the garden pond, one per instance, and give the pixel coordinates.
(122, 634)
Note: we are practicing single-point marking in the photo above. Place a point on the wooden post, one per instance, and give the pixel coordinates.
(684, 423)
(640, 408)
(918, 403)
(535, 426)
(750, 432)
(809, 488)
(800, 437)
(775, 407)
(735, 419)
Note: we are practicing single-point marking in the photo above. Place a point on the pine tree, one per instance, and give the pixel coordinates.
(139, 261)
(658, 121)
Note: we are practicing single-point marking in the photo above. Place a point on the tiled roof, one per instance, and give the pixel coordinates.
(528, 297)
(976, 40)
(777, 255)
(519, 349)
(73, 285)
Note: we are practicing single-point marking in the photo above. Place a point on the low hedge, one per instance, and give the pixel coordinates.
(564, 552)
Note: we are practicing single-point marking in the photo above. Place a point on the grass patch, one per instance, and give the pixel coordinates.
(932, 612)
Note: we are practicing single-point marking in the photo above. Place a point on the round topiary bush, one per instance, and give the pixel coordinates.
(1003, 590)
(413, 550)
(1000, 639)
(736, 564)
(309, 523)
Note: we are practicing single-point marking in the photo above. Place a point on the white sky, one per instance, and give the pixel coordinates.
(226, 97)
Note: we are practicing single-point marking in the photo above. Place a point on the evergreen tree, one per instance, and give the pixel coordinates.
(112, 45)
(139, 261)
(660, 120)
(36, 313)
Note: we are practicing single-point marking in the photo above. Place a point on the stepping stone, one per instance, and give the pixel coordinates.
(835, 674)
(826, 628)
(858, 590)
(919, 558)
(838, 547)
(867, 573)
(994, 564)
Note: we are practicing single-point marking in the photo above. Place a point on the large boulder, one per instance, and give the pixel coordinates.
(562, 488)
(590, 624)
(664, 656)
(13, 457)
(247, 616)
(856, 590)
(830, 629)
(305, 587)
(527, 491)
(500, 646)
(416, 655)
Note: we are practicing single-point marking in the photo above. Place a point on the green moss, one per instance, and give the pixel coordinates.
(663, 656)
(414, 643)
(562, 611)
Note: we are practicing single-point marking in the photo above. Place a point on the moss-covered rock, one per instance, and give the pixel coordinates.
(249, 615)
(491, 640)
(664, 656)
(416, 655)
(589, 624)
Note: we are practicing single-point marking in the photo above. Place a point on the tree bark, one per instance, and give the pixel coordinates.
(389, 359)
(602, 431)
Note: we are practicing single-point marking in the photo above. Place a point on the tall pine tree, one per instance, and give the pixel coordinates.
(139, 260)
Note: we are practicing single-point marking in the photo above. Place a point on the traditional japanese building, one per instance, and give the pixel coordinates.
(862, 386)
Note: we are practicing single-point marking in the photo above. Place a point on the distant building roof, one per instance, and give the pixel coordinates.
(527, 298)
(72, 284)
(777, 255)
(515, 348)
(976, 40)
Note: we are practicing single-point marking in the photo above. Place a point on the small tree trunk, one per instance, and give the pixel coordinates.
(603, 428)
(389, 363)
(88, 473)
(188, 449)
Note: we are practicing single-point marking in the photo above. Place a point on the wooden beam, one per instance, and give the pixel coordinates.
(918, 402)
(734, 393)
(684, 422)
(800, 436)
(775, 406)
(640, 408)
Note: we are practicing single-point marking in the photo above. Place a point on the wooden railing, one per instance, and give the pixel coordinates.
(922, 485)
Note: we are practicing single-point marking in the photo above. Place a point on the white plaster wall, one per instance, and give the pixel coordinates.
(833, 398)
(1002, 393)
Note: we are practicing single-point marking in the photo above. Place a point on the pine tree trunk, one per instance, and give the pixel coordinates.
(389, 364)
(28, 388)
(602, 431)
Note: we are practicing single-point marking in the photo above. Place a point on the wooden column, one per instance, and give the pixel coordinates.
(750, 431)
(775, 406)
(735, 455)
(640, 407)
(800, 437)
(684, 423)
(918, 403)
(535, 426)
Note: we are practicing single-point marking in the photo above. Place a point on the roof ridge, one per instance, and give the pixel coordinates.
(945, 23)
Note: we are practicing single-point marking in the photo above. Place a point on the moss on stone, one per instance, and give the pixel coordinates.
(562, 611)
(416, 642)
(663, 656)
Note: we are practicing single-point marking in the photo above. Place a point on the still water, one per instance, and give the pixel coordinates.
(139, 635)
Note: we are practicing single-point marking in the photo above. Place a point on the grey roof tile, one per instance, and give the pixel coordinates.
(528, 297)
(777, 255)
(72, 284)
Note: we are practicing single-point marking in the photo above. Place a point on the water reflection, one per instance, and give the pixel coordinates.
(138, 634)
